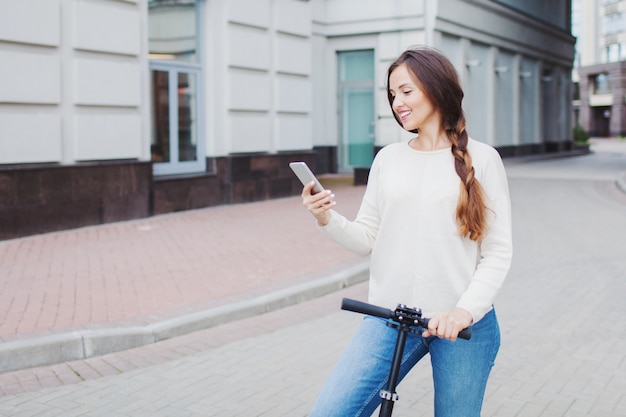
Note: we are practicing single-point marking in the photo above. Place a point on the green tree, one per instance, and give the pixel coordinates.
(580, 135)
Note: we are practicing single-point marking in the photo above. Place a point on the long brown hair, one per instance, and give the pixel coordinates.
(436, 77)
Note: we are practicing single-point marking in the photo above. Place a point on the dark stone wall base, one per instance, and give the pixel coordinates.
(545, 149)
(326, 160)
(237, 179)
(361, 175)
(49, 197)
(46, 198)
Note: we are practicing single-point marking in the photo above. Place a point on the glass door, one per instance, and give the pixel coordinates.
(357, 127)
(356, 109)
(175, 124)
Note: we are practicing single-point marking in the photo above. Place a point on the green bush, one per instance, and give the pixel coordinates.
(580, 134)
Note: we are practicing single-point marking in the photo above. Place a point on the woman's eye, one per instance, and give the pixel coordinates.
(407, 92)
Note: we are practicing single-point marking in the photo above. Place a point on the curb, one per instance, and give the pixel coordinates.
(65, 347)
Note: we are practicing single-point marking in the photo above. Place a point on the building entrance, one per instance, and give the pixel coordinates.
(356, 109)
(601, 122)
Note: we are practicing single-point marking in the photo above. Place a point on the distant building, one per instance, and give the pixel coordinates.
(601, 108)
(122, 109)
(600, 71)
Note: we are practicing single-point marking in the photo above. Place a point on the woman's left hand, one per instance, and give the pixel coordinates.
(448, 324)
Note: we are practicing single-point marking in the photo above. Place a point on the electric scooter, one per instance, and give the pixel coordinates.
(406, 320)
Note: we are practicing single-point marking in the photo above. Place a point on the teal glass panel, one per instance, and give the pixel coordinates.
(358, 127)
(356, 66)
(356, 87)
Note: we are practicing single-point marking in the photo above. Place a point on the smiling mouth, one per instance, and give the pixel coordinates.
(404, 115)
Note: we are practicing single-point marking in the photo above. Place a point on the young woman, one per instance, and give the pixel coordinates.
(435, 218)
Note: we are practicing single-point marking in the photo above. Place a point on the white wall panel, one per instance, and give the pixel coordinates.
(319, 86)
(255, 13)
(390, 132)
(391, 45)
(478, 93)
(411, 38)
(250, 132)
(505, 95)
(101, 82)
(31, 21)
(250, 90)
(382, 102)
(381, 81)
(293, 55)
(29, 78)
(339, 10)
(29, 137)
(249, 47)
(452, 48)
(294, 132)
(294, 94)
(120, 24)
(530, 109)
(108, 136)
(293, 17)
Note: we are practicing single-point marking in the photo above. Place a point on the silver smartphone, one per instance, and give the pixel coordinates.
(305, 175)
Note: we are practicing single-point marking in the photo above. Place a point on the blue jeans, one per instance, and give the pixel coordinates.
(460, 369)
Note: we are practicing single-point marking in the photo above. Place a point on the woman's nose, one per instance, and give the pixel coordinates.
(396, 102)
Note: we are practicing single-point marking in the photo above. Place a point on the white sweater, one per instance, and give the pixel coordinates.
(407, 222)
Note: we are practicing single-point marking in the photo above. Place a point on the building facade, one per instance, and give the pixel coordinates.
(599, 74)
(122, 109)
(601, 105)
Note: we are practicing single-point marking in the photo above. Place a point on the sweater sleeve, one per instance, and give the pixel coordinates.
(358, 236)
(495, 251)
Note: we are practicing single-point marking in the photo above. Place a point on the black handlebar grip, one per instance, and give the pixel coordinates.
(466, 333)
(365, 308)
(463, 334)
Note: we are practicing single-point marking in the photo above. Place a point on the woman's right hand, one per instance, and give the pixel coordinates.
(318, 204)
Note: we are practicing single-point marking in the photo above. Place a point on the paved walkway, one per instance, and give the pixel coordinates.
(84, 292)
(570, 270)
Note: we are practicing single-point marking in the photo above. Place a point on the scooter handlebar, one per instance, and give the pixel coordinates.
(365, 308)
(466, 333)
(372, 310)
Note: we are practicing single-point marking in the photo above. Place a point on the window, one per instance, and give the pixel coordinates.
(601, 84)
(177, 137)
(612, 23)
(613, 52)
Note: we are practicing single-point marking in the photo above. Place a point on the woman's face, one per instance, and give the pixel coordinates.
(413, 108)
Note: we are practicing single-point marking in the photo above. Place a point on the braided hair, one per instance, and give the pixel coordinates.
(439, 81)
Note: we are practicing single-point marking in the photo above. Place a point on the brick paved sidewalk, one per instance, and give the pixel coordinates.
(140, 272)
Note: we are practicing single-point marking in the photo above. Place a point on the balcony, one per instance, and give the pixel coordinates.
(601, 100)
